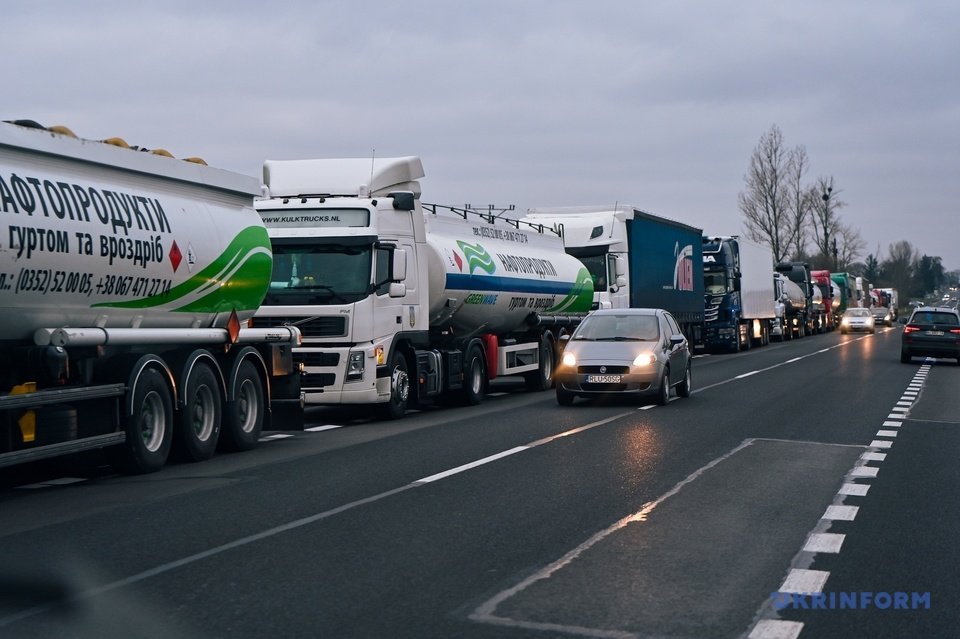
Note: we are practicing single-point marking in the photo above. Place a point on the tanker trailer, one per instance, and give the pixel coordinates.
(125, 280)
(399, 302)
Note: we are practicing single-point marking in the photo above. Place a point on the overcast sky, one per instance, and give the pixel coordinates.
(527, 102)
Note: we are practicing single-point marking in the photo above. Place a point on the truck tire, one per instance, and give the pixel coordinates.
(474, 377)
(55, 424)
(686, 386)
(200, 418)
(663, 393)
(542, 378)
(243, 417)
(149, 428)
(399, 388)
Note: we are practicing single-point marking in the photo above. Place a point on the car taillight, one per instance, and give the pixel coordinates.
(955, 331)
(910, 329)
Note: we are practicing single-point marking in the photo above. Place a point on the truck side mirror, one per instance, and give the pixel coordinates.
(620, 269)
(403, 200)
(399, 265)
(621, 281)
(397, 289)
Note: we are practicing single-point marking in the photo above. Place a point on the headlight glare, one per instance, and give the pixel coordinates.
(569, 359)
(644, 359)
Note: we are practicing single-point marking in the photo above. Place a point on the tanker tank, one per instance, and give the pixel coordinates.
(495, 278)
(94, 235)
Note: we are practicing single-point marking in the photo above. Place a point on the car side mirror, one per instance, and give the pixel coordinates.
(677, 340)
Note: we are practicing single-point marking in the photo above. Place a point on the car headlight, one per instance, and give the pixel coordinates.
(568, 359)
(644, 359)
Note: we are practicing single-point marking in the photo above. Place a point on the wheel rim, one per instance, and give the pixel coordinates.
(248, 406)
(401, 384)
(202, 413)
(153, 421)
(476, 377)
(688, 379)
(547, 369)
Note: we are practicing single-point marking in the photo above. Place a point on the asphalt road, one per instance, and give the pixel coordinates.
(805, 489)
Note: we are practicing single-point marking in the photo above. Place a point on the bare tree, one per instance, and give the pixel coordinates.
(824, 202)
(799, 198)
(849, 246)
(765, 202)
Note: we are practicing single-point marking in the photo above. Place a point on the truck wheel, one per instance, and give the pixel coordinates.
(149, 428)
(399, 388)
(663, 395)
(748, 341)
(542, 378)
(475, 377)
(686, 386)
(564, 398)
(198, 428)
(243, 418)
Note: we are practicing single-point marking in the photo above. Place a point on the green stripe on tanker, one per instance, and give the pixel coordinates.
(237, 279)
(580, 298)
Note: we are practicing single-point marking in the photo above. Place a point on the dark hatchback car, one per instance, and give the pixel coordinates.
(932, 331)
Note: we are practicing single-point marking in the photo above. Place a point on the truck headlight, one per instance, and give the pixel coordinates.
(355, 366)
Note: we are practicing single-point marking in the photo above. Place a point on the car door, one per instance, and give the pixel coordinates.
(679, 353)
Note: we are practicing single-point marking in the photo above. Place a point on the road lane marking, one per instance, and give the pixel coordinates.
(269, 438)
(892, 424)
(854, 490)
(824, 542)
(873, 456)
(886, 433)
(881, 443)
(840, 513)
(863, 472)
(318, 429)
(746, 374)
(473, 464)
(801, 581)
(776, 629)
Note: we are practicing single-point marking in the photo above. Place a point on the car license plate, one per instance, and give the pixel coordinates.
(937, 333)
(603, 379)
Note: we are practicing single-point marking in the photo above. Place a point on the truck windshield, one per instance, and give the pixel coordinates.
(597, 265)
(715, 283)
(319, 274)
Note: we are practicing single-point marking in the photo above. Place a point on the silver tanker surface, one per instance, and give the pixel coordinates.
(492, 277)
(98, 235)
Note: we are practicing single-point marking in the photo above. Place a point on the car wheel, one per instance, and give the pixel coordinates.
(683, 390)
(564, 398)
(905, 357)
(663, 396)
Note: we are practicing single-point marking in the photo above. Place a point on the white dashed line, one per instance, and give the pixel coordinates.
(824, 542)
(776, 629)
(873, 456)
(881, 443)
(841, 513)
(804, 581)
(275, 436)
(318, 429)
(886, 433)
(854, 490)
(864, 471)
(892, 424)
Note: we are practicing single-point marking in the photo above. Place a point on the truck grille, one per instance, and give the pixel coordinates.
(317, 359)
(317, 380)
(334, 326)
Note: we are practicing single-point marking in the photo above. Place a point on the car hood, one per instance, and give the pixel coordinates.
(609, 351)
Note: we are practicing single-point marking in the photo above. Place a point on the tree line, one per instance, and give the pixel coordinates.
(800, 221)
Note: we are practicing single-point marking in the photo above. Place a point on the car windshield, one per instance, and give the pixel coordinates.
(935, 317)
(858, 312)
(619, 327)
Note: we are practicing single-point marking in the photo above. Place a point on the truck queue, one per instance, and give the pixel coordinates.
(158, 307)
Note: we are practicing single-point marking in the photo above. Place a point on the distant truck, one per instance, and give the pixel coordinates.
(806, 321)
(890, 298)
(825, 307)
(791, 308)
(847, 284)
(400, 302)
(126, 279)
(739, 296)
(637, 259)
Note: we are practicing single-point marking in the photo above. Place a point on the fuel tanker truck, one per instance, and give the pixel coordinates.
(400, 301)
(125, 281)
